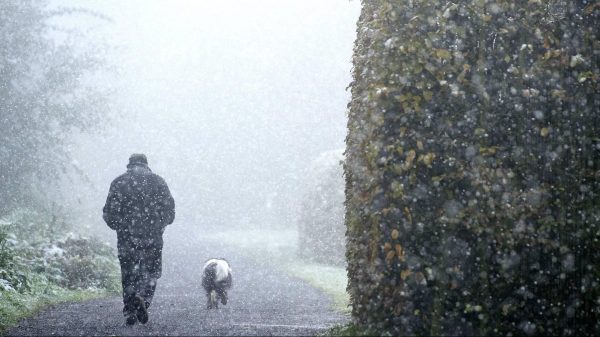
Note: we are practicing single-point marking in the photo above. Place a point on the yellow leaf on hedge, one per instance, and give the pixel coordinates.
(427, 95)
(419, 145)
(400, 252)
(443, 54)
(544, 132)
(387, 246)
(428, 158)
(390, 255)
(408, 214)
(410, 157)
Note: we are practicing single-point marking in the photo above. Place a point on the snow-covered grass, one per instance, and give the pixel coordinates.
(346, 330)
(15, 306)
(42, 263)
(281, 247)
(330, 279)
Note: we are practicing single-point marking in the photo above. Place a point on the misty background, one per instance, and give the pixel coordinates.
(241, 106)
(230, 100)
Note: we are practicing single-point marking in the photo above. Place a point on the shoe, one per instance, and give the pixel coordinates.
(140, 309)
(131, 319)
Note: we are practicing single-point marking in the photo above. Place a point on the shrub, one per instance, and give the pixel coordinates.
(85, 263)
(37, 246)
(472, 168)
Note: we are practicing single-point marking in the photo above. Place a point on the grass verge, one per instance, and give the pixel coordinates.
(330, 279)
(43, 263)
(346, 330)
(15, 306)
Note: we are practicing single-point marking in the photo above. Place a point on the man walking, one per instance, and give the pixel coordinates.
(139, 206)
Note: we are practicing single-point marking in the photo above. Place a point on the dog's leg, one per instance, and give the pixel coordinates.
(208, 301)
(213, 299)
(224, 297)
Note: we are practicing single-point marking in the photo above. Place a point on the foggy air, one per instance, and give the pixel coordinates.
(299, 167)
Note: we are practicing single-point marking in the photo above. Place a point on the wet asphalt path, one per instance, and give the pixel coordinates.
(263, 302)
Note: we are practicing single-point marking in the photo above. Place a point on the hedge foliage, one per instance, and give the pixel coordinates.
(473, 168)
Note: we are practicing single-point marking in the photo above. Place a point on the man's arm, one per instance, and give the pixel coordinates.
(168, 204)
(111, 213)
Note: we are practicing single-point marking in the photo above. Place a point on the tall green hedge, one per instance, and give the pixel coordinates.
(473, 168)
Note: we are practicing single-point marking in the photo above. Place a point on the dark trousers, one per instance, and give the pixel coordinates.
(140, 269)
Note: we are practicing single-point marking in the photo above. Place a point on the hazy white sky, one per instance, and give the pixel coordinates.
(230, 100)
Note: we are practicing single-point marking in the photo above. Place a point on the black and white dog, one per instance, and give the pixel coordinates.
(216, 280)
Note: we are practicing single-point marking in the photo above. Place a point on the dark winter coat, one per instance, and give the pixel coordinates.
(139, 206)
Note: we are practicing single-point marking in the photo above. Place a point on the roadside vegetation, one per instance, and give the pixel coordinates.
(346, 330)
(43, 263)
(49, 93)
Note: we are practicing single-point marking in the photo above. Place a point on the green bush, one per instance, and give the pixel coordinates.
(5, 256)
(472, 168)
(42, 263)
(86, 263)
(33, 244)
(12, 278)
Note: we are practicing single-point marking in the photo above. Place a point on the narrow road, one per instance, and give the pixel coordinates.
(263, 302)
